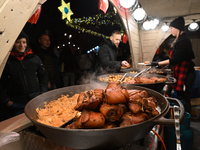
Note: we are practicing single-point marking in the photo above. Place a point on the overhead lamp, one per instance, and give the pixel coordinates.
(150, 24)
(156, 21)
(193, 26)
(165, 27)
(127, 5)
(146, 25)
(139, 15)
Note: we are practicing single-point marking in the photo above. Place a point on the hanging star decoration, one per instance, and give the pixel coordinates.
(65, 10)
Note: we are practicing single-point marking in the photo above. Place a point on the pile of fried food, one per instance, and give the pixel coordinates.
(113, 107)
(131, 80)
(57, 112)
(155, 71)
(133, 72)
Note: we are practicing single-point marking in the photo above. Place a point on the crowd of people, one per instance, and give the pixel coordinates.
(31, 72)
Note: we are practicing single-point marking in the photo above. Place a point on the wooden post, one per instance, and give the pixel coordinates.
(13, 16)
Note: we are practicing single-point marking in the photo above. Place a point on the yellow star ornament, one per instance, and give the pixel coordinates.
(65, 10)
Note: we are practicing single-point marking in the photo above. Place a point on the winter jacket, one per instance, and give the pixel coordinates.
(182, 50)
(108, 58)
(48, 61)
(23, 79)
(181, 59)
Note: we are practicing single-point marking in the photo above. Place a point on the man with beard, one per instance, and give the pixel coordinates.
(107, 60)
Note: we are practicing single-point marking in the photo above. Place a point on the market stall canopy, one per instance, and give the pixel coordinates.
(172, 8)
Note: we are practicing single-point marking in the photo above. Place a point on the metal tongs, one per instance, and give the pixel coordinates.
(177, 127)
(122, 78)
(142, 72)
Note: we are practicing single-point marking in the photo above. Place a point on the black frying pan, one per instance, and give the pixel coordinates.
(155, 86)
(152, 71)
(98, 138)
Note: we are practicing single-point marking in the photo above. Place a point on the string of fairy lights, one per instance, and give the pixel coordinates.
(96, 20)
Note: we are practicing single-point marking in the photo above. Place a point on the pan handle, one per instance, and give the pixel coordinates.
(165, 121)
(170, 81)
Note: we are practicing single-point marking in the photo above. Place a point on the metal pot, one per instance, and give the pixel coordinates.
(97, 138)
(155, 86)
(157, 71)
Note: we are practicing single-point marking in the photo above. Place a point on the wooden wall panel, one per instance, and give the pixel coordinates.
(150, 42)
(196, 49)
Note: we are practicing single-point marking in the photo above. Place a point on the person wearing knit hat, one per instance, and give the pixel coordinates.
(181, 62)
(178, 23)
(23, 78)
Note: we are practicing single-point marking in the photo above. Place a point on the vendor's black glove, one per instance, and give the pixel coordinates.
(153, 63)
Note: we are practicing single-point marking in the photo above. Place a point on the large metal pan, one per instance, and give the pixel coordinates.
(155, 86)
(98, 138)
(152, 71)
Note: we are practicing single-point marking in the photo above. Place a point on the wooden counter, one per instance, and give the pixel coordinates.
(15, 124)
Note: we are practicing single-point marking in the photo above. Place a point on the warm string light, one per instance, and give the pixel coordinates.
(93, 20)
(98, 19)
(88, 31)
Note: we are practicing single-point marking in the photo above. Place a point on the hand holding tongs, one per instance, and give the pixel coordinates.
(142, 72)
(177, 127)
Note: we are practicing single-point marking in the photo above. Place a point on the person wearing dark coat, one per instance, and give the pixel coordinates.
(23, 77)
(107, 55)
(181, 61)
(45, 53)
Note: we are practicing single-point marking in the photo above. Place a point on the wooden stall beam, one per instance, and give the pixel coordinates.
(13, 16)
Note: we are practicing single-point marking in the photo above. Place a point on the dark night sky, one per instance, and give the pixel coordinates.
(51, 20)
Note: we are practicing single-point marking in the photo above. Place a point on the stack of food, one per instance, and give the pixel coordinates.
(113, 107)
(131, 80)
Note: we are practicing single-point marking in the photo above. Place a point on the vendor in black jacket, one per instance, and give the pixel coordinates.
(23, 77)
(181, 61)
(107, 60)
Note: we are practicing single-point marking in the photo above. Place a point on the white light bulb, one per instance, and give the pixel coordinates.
(193, 26)
(139, 14)
(165, 28)
(156, 21)
(153, 25)
(127, 3)
(146, 25)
